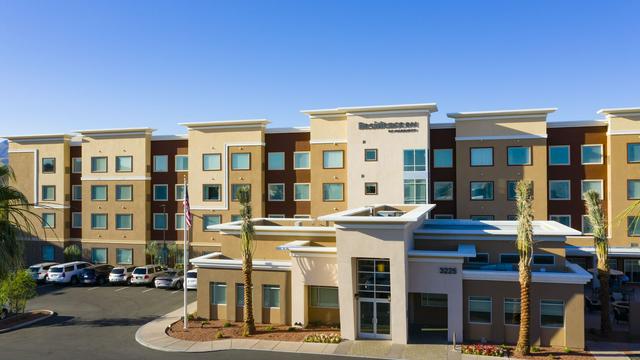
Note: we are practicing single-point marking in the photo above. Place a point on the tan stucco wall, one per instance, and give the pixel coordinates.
(308, 271)
(502, 127)
(571, 335)
(328, 128)
(139, 257)
(320, 176)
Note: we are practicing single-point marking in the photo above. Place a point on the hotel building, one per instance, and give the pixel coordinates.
(370, 217)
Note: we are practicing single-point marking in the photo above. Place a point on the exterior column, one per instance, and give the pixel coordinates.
(348, 310)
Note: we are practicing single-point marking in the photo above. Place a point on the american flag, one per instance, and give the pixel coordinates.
(187, 208)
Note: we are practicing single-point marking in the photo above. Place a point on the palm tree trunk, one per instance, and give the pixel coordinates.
(523, 346)
(603, 276)
(249, 326)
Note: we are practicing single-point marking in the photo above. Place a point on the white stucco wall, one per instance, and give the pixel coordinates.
(312, 270)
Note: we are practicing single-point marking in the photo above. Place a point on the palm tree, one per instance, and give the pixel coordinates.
(16, 222)
(153, 250)
(248, 247)
(524, 243)
(595, 214)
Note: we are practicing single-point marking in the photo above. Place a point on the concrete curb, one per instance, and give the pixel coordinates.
(28, 323)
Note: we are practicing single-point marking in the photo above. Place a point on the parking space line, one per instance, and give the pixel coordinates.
(93, 288)
(122, 288)
(148, 290)
(175, 292)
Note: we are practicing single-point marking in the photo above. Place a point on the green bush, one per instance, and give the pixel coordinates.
(535, 349)
(219, 334)
(16, 289)
(72, 253)
(226, 324)
(323, 338)
(269, 328)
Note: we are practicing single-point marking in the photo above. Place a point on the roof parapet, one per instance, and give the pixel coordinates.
(497, 114)
(38, 138)
(116, 132)
(620, 111)
(420, 107)
(226, 124)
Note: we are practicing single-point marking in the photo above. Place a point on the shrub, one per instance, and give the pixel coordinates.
(219, 334)
(72, 253)
(192, 316)
(483, 349)
(16, 289)
(292, 328)
(323, 338)
(567, 350)
(535, 349)
(269, 328)
(226, 324)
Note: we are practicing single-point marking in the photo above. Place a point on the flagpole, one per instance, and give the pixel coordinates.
(185, 259)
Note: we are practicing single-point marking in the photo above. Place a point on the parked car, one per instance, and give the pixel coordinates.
(121, 275)
(146, 275)
(67, 273)
(4, 312)
(192, 279)
(95, 275)
(39, 271)
(171, 280)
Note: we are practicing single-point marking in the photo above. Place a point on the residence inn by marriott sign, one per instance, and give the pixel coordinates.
(400, 126)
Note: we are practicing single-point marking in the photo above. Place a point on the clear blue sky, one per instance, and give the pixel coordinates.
(68, 65)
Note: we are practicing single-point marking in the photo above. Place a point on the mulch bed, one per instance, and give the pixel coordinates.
(17, 319)
(202, 330)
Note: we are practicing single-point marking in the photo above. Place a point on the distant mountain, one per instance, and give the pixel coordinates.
(4, 151)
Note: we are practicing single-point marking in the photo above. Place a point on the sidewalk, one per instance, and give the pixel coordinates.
(152, 335)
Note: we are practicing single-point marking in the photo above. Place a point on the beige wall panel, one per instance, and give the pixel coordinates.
(504, 127)
(137, 146)
(624, 123)
(320, 176)
(329, 128)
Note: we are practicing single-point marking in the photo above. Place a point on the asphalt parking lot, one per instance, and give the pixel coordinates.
(100, 323)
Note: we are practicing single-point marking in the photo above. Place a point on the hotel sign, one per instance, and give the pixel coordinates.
(392, 127)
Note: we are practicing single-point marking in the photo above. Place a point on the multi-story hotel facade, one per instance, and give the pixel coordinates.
(370, 217)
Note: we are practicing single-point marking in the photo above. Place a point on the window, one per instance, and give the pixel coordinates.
(480, 309)
(182, 163)
(324, 297)
(276, 216)
(518, 155)
(633, 153)
(415, 191)
(543, 259)
(160, 163)
(211, 192)
(511, 189)
(512, 311)
(632, 270)
(211, 162)
(76, 165)
(124, 163)
(48, 253)
(481, 156)
(552, 313)
(586, 225)
(443, 190)
(633, 225)
(48, 220)
(124, 192)
(99, 192)
(76, 220)
(179, 192)
(218, 293)
(179, 221)
(210, 220)
(98, 164)
(509, 258)
(48, 193)
(592, 185)
(480, 258)
(559, 190)
(48, 165)
(159, 221)
(370, 154)
(443, 216)
(300, 216)
(275, 161)
(275, 192)
(332, 159)
(124, 256)
(633, 189)
(271, 296)
(433, 300)
(241, 161)
(332, 192)
(592, 154)
(559, 155)
(562, 219)
(236, 218)
(124, 222)
(98, 221)
(482, 217)
(443, 158)
(99, 255)
(239, 295)
(301, 192)
(512, 217)
(482, 190)
(236, 187)
(415, 160)
(76, 192)
(160, 192)
(301, 160)
(371, 188)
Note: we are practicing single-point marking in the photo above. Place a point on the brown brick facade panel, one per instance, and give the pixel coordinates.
(443, 139)
(171, 148)
(76, 206)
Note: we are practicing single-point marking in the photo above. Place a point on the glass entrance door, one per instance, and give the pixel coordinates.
(374, 290)
(375, 319)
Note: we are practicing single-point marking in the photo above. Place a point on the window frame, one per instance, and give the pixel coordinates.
(73, 164)
(324, 198)
(601, 192)
(493, 161)
(591, 145)
(434, 197)
(504, 310)
(375, 152)
(324, 164)
(233, 167)
(234, 197)
(106, 164)
(479, 262)
(530, 150)
(269, 185)
(120, 186)
(583, 218)
(204, 192)
(106, 225)
(628, 145)
(175, 221)
(443, 150)
(568, 147)
(493, 191)
(212, 291)
(175, 163)
(631, 181)
(154, 197)
(73, 193)
(490, 307)
(308, 154)
(564, 306)
(166, 221)
(308, 191)
(73, 223)
(555, 215)
(46, 224)
(482, 217)
(218, 155)
(284, 160)
(316, 297)
(124, 157)
(42, 165)
(414, 165)
(204, 223)
(123, 263)
(637, 226)
(443, 216)
(508, 254)
(175, 192)
(271, 286)
(53, 252)
(371, 183)
(130, 221)
(533, 259)
(106, 193)
(106, 255)
(559, 181)
(153, 165)
(414, 182)
(42, 192)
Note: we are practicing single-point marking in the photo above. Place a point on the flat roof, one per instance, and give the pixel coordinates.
(498, 113)
(492, 227)
(226, 123)
(428, 107)
(619, 111)
(122, 131)
(37, 137)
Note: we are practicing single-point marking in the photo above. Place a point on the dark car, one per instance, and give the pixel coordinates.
(95, 275)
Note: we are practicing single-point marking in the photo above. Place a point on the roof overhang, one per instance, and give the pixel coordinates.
(213, 261)
(348, 216)
(620, 111)
(39, 138)
(497, 114)
(224, 124)
(115, 132)
(417, 108)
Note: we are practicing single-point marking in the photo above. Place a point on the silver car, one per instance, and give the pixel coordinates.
(172, 280)
(121, 275)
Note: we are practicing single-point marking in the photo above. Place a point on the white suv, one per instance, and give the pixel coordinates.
(146, 275)
(66, 273)
(192, 279)
(121, 274)
(39, 271)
